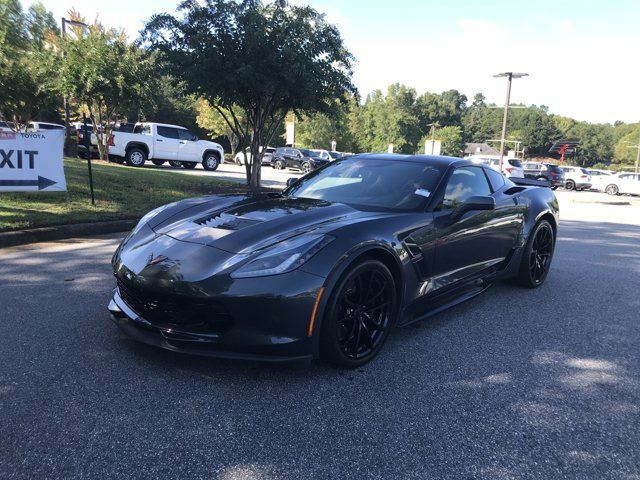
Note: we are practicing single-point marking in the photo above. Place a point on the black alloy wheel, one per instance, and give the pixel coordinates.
(360, 314)
(536, 259)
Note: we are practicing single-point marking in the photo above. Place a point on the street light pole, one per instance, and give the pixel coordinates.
(505, 118)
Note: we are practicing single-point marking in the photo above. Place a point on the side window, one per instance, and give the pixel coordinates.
(168, 132)
(495, 178)
(465, 182)
(185, 134)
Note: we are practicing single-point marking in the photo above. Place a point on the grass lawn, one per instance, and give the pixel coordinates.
(121, 193)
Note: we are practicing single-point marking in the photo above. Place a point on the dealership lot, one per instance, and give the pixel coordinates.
(513, 384)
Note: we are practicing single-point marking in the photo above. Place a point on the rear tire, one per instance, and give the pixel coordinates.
(359, 315)
(175, 163)
(210, 162)
(189, 165)
(136, 157)
(157, 162)
(537, 256)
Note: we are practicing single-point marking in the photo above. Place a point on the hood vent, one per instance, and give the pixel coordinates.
(226, 221)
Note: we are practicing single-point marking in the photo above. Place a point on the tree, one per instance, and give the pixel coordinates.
(389, 119)
(624, 152)
(318, 130)
(260, 59)
(213, 121)
(25, 87)
(451, 138)
(103, 73)
(446, 108)
(481, 123)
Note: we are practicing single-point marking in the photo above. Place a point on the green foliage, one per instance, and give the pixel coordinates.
(318, 130)
(102, 73)
(447, 108)
(624, 152)
(452, 140)
(264, 58)
(25, 88)
(213, 122)
(388, 119)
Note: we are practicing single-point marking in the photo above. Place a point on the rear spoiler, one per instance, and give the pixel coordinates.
(529, 182)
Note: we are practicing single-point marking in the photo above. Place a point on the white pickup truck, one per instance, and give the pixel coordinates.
(160, 143)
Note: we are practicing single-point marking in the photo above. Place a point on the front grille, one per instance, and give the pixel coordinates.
(176, 312)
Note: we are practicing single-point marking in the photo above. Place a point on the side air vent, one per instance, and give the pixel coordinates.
(226, 221)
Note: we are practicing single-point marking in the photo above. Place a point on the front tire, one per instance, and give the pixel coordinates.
(360, 313)
(306, 168)
(612, 190)
(278, 165)
(210, 162)
(537, 256)
(136, 157)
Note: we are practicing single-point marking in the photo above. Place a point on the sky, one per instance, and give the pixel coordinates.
(582, 57)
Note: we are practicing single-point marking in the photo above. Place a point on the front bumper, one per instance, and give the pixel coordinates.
(271, 324)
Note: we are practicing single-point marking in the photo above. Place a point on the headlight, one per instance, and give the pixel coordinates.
(283, 257)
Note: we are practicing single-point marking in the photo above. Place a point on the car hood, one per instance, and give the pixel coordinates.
(248, 224)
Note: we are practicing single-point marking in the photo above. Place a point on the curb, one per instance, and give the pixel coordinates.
(59, 232)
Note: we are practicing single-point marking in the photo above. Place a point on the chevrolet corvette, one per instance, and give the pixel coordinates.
(327, 267)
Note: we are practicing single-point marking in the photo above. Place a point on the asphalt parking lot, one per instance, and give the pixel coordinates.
(513, 384)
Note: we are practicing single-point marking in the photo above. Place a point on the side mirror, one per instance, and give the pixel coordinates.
(291, 181)
(477, 202)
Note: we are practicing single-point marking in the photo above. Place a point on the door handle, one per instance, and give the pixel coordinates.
(182, 143)
(158, 140)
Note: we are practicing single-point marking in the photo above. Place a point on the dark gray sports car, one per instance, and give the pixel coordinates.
(328, 266)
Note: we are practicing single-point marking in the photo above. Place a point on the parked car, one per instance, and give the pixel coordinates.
(37, 126)
(266, 156)
(160, 142)
(324, 154)
(576, 178)
(599, 179)
(329, 266)
(623, 183)
(78, 129)
(300, 158)
(511, 167)
(546, 172)
(7, 127)
(337, 155)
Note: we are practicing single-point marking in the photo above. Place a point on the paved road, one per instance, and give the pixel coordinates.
(514, 384)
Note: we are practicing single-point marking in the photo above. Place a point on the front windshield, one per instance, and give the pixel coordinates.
(371, 183)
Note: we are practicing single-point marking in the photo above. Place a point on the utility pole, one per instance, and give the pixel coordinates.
(433, 126)
(505, 118)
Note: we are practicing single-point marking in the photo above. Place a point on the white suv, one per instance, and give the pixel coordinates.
(511, 167)
(576, 178)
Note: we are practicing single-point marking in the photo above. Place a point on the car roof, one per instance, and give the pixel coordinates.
(163, 125)
(439, 160)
